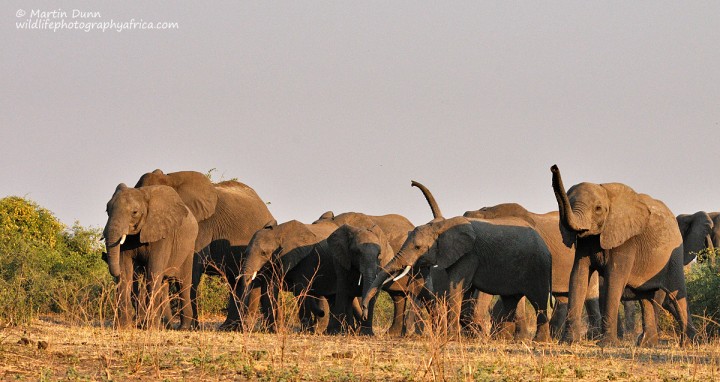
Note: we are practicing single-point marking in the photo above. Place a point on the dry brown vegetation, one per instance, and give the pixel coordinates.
(50, 349)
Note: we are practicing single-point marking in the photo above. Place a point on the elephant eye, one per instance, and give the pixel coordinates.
(598, 209)
(134, 213)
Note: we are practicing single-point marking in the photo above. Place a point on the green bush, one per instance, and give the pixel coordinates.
(45, 267)
(703, 285)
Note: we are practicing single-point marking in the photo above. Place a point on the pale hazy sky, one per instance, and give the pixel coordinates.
(326, 105)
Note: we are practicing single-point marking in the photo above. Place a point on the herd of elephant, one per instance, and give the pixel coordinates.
(605, 244)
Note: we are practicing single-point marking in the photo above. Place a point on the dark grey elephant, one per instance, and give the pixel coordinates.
(548, 227)
(395, 229)
(698, 231)
(296, 256)
(151, 229)
(228, 214)
(633, 240)
(359, 253)
(509, 259)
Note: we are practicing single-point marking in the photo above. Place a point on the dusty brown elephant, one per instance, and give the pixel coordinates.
(228, 214)
(548, 226)
(633, 240)
(150, 229)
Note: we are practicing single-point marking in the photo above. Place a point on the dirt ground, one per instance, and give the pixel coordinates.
(51, 350)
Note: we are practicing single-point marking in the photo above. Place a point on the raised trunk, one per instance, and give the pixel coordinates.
(564, 207)
(430, 199)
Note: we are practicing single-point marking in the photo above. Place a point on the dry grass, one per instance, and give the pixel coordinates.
(95, 353)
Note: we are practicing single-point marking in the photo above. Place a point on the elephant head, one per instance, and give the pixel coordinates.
(282, 246)
(152, 212)
(195, 189)
(696, 230)
(362, 249)
(441, 242)
(612, 211)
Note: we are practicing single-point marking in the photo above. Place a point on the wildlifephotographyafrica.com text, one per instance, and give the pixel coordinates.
(82, 20)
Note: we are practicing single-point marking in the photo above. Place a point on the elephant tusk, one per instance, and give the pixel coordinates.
(253, 276)
(407, 269)
(360, 280)
(387, 280)
(122, 239)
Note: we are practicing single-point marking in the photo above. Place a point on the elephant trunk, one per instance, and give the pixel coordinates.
(383, 276)
(566, 213)
(437, 214)
(114, 239)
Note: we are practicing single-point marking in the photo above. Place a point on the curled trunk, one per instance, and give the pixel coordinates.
(430, 199)
(565, 209)
(385, 274)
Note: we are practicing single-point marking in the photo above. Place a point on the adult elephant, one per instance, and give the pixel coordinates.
(505, 257)
(151, 228)
(395, 228)
(698, 233)
(228, 214)
(633, 240)
(547, 226)
(295, 255)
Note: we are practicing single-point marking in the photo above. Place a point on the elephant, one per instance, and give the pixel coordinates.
(297, 256)
(395, 229)
(634, 242)
(698, 231)
(547, 225)
(358, 255)
(503, 257)
(715, 236)
(228, 214)
(150, 227)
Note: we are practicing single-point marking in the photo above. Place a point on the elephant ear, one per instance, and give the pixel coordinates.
(165, 213)
(627, 216)
(454, 242)
(196, 191)
(339, 245)
(297, 242)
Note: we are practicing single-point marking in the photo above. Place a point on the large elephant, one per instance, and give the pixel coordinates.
(150, 227)
(633, 240)
(502, 257)
(295, 255)
(395, 228)
(547, 225)
(228, 214)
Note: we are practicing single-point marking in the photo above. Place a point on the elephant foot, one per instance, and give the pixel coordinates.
(609, 341)
(543, 334)
(647, 340)
(505, 331)
(395, 331)
(594, 334)
(366, 332)
(230, 326)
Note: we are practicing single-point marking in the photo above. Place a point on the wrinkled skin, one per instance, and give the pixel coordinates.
(150, 229)
(502, 257)
(295, 255)
(228, 214)
(633, 241)
(547, 226)
(395, 228)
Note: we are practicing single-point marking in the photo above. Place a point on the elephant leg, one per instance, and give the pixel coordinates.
(481, 312)
(630, 308)
(506, 324)
(616, 276)
(539, 302)
(649, 335)
(559, 315)
(579, 278)
(166, 316)
(322, 319)
(339, 311)
(522, 330)
(681, 314)
(124, 294)
(592, 307)
(189, 307)
(399, 306)
(156, 298)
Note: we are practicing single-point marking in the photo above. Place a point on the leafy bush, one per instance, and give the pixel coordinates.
(45, 267)
(703, 285)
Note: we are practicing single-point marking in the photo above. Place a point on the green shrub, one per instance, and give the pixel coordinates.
(703, 285)
(45, 267)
